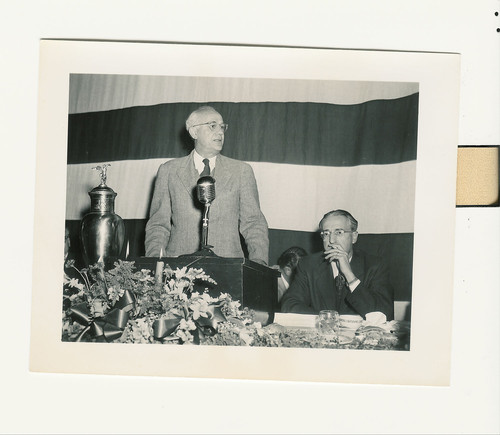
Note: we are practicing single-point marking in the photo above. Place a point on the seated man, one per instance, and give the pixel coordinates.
(341, 277)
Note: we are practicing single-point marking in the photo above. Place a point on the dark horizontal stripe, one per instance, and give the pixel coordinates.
(374, 132)
(396, 248)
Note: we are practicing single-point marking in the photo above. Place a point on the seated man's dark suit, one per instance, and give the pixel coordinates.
(313, 288)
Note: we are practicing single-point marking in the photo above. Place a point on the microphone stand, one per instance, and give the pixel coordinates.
(205, 247)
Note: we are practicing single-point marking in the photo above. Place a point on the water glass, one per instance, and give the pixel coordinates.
(328, 324)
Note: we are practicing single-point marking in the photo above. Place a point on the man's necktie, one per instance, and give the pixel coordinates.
(340, 283)
(206, 169)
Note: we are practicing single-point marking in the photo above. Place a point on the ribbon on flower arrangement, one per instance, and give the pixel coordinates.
(208, 325)
(109, 327)
(126, 302)
(165, 326)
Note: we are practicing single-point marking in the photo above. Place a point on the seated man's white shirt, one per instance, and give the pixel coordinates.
(282, 286)
(352, 286)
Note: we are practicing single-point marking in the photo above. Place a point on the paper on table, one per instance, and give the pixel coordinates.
(375, 318)
(292, 320)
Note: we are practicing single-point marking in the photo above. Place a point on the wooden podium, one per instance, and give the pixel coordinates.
(254, 285)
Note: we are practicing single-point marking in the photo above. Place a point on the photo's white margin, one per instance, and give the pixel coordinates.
(427, 363)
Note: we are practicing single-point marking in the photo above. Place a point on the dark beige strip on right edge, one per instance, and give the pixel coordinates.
(477, 176)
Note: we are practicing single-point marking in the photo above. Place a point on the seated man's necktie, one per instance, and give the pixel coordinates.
(206, 169)
(340, 283)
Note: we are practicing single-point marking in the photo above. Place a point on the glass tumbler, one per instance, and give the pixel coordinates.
(329, 323)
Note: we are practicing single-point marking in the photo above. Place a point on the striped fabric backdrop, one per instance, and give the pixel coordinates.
(314, 146)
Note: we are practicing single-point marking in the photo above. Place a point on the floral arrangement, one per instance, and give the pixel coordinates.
(126, 305)
(130, 306)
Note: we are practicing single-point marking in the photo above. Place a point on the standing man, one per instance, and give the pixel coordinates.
(341, 277)
(175, 215)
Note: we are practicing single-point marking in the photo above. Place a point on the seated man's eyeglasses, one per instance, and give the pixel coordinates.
(213, 126)
(327, 233)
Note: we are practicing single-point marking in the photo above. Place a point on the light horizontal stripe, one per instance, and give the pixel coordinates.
(98, 92)
(293, 197)
(296, 197)
(132, 180)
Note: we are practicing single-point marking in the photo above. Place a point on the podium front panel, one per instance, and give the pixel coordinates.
(254, 285)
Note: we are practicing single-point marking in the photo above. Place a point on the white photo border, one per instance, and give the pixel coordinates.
(428, 360)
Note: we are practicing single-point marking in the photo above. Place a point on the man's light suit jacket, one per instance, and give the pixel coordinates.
(174, 224)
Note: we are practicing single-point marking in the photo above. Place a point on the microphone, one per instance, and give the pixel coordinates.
(205, 189)
(205, 192)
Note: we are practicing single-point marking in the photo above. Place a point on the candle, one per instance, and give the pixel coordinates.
(126, 254)
(159, 271)
(159, 268)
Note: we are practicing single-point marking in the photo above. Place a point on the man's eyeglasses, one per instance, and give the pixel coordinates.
(327, 233)
(213, 126)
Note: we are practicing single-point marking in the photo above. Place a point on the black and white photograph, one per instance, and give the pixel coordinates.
(330, 268)
(312, 149)
(258, 215)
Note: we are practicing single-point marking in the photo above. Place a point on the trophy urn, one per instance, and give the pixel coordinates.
(102, 231)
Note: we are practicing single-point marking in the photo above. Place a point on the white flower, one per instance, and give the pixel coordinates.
(187, 325)
(180, 273)
(140, 331)
(183, 330)
(247, 339)
(208, 299)
(184, 336)
(114, 295)
(76, 284)
(67, 326)
(199, 309)
(145, 276)
(97, 308)
(144, 327)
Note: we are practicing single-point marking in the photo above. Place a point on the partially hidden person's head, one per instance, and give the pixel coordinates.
(338, 227)
(288, 261)
(207, 128)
